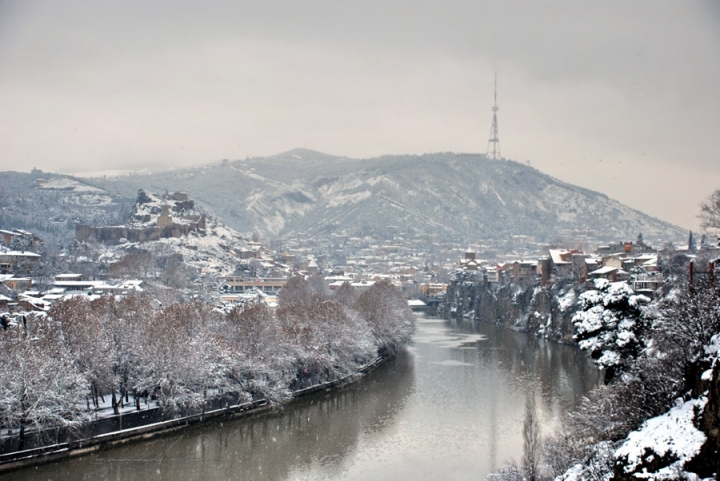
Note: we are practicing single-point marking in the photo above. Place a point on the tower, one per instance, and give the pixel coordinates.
(493, 148)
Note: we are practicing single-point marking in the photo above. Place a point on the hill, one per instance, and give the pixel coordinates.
(460, 197)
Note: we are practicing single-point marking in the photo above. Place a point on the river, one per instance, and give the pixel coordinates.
(450, 407)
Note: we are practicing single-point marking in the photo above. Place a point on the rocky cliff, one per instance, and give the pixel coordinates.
(542, 311)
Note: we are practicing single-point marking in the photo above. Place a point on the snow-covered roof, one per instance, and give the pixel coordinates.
(557, 256)
(607, 270)
(131, 284)
(79, 283)
(54, 291)
(18, 253)
(67, 277)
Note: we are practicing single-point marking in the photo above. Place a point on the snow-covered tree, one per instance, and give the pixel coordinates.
(687, 321)
(88, 343)
(610, 325)
(41, 386)
(386, 311)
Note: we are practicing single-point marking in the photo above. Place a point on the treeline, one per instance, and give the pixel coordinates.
(58, 368)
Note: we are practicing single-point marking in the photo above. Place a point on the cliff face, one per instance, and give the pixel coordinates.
(686, 439)
(542, 311)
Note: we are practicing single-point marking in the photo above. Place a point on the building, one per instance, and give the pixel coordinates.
(524, 271)
(17, 261)
(268, 285)
(431, 290)
(470, 263)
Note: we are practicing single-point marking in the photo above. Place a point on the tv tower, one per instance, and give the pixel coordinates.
(493, 148)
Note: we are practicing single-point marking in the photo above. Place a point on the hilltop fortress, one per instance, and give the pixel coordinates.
(153, 217)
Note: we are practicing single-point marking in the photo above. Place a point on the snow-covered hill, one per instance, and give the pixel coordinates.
(463, 197)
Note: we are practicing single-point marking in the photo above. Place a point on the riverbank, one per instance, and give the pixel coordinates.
(61, 451)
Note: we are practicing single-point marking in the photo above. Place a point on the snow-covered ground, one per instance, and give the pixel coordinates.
(672, 435)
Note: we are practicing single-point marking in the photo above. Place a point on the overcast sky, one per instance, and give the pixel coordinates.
(620, 97)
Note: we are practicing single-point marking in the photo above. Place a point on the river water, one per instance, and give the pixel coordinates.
(451, 407)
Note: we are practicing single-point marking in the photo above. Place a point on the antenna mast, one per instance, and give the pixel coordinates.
(493, 148)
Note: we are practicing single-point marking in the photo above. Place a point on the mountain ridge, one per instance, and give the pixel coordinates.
(463, 197)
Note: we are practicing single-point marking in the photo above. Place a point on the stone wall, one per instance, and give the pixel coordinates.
(113, 234)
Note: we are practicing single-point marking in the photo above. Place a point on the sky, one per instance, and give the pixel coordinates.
(619, 97)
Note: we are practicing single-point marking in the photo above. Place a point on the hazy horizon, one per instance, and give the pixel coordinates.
(615, 97)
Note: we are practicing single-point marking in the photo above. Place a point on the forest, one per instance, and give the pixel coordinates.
(60, 367)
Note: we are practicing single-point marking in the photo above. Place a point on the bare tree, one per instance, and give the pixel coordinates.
(345, 294)
(710, 213)
(531, 440)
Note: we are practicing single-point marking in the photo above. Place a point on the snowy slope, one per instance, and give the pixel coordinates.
(461, 196)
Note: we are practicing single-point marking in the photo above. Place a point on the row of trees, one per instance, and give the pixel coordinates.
(57, 368)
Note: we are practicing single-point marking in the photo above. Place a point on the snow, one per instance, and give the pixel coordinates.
(65, 183)
(497, 195)
(353, 198)
(7, 252)
(712, 354)
(567, 301)
(672, 433)
(609, 358)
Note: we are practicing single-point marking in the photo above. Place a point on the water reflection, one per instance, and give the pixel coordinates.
(450, 407)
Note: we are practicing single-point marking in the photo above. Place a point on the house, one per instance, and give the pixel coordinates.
(17, 283)
(495, 274)
(561, 260)
(523, 271)
(6, 237)
(268, 285)
(648, 282)
(592, 263)
(627, 248)
(14, 261)
(648, 262)
(71, 277)
(613, 274)
(612, 261)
